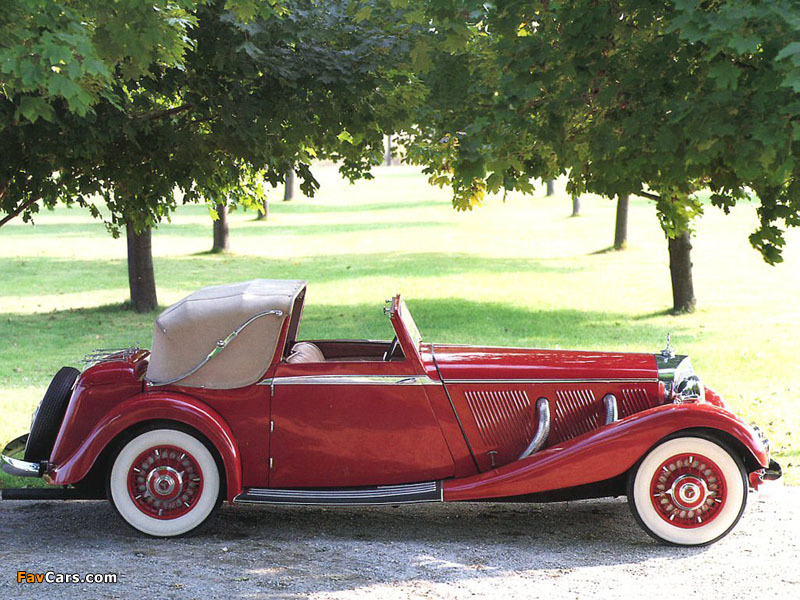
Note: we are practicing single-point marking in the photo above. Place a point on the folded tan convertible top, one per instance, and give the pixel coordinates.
(222, 336)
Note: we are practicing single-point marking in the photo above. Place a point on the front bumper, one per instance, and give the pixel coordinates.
(771, 473)
(12, 464)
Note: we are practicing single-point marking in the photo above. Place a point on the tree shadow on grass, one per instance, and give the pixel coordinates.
(34, 276)
(44, 342)
(247, 228)
(460, 321)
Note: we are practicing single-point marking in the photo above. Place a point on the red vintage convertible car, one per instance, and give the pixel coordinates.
(229, 405)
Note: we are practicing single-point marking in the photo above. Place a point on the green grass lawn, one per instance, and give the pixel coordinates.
(519, 272)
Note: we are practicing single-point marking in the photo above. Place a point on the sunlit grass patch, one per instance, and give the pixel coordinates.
(519, 272)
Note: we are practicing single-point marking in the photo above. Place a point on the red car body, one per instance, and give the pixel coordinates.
(456, 417)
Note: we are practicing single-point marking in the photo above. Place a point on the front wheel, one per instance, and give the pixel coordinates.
(164, 482)
(688, 491)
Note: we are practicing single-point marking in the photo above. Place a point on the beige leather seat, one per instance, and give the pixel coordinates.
(303, 352)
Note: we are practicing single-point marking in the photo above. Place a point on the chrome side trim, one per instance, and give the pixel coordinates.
(218, 347)
(599, 380)
(429, 491)
(15, 466)
(351, 380)
(542, 430)
(610, 403)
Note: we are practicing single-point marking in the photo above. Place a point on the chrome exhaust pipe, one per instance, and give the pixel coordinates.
(610, 403)
(543, 429)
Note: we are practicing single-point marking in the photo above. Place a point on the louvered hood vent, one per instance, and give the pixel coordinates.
(576, 412)
(506, 420)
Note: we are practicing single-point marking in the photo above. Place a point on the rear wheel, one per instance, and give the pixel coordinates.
(688, 491)
(164, 482)
(49, 415)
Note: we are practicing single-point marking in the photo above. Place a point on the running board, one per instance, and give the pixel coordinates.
(410, 493)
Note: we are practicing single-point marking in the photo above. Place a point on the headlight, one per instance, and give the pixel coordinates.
(690, 388)
(679, 379)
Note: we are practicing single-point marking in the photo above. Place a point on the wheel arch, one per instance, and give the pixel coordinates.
(95, 479)
(725, 438)
(177, 411)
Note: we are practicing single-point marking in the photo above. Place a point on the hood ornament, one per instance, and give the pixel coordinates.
(668, 352)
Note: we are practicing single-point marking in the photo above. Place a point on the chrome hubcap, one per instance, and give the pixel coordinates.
(688, 490)
(165, 482)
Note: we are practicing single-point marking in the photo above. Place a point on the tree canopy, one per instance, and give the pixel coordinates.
(656, 97)
(233, 101)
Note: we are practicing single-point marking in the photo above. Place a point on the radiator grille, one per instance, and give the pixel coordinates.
(504, 418)
(576, 412)
(633, 401)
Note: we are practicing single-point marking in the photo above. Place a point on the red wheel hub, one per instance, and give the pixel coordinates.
(165, 482)
(688, 490)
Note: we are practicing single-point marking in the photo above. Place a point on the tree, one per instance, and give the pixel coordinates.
(576, 205)
(656, 98)
(288, 185)
(387, 157)
(251, 94)
(58, 59)
(621, 223)
(222, 241)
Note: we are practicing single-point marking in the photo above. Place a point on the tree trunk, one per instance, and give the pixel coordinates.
(263, 216)
(387, 155)
(576, 206)
(288, 188)
(550, 187)
(141, 278)
(221, 237)
(621, 229)
(680, 269)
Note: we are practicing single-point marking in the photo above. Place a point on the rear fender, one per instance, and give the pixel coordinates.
(605, 453)
(152, 406)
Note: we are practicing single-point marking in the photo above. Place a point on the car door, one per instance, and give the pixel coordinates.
(346, 424)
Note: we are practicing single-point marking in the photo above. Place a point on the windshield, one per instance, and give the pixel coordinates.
(410, 325)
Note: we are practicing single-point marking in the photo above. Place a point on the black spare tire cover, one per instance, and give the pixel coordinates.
(48, 417)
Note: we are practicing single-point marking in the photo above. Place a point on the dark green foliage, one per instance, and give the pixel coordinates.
(626, 96)
(251, 90)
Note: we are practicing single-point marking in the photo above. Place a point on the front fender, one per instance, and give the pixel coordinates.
(150, 406)
(602, 454)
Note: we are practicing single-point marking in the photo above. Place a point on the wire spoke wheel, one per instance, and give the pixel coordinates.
(688, 491)
(164, 482)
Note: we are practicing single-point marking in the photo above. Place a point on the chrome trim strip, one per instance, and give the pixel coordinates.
(218, 347)
(351, 380)
(429, 491)
(600, 380)
(380, 492)
(542, 430)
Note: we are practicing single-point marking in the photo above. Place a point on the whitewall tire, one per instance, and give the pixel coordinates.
(688, 491)
(164, 482)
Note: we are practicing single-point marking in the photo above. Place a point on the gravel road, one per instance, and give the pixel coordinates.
(587, 549)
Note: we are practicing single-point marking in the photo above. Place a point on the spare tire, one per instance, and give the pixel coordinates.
(48, 417)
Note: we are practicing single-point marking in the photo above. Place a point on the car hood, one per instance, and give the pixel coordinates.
(456, 363)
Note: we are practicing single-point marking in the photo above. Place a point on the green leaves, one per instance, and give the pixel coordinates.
(725, 74)
(33, 108)
(669, 96)
(179, 101)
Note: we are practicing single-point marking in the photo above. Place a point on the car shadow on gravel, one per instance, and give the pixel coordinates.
(283, 552)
